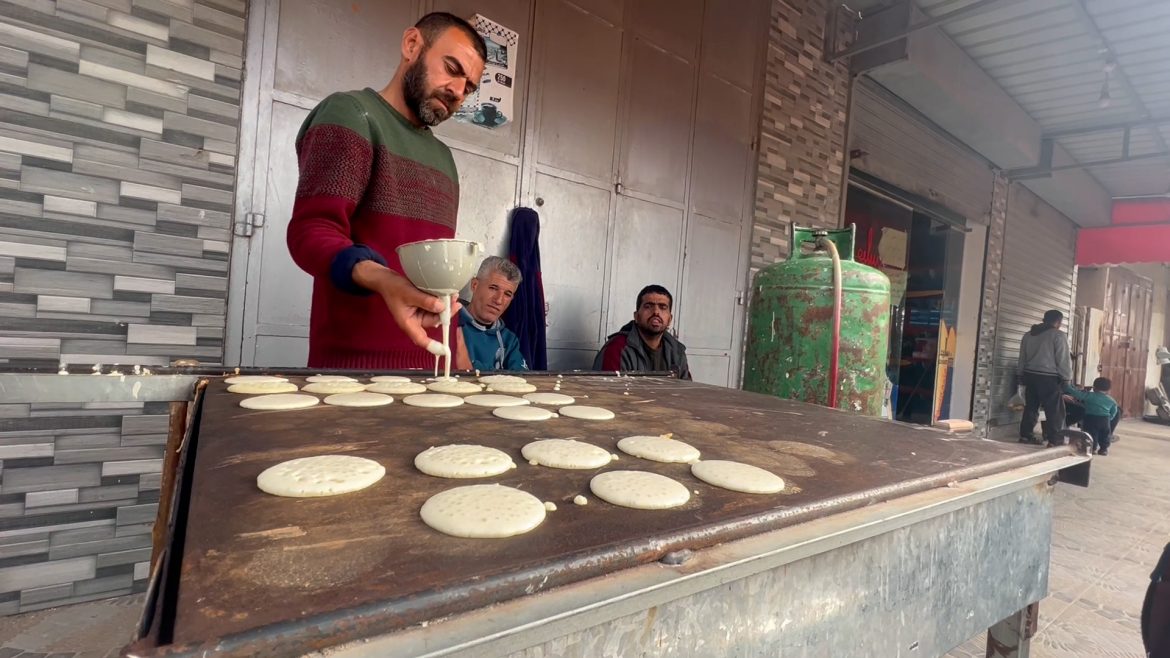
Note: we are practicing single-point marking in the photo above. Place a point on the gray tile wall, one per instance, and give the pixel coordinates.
(79, 491)
(119, 125)
(118, 139)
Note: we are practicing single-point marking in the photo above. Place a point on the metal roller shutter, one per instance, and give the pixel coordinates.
(1039, 273)
(897, 145)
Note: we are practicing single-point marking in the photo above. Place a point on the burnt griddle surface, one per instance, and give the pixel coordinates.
(323, 570)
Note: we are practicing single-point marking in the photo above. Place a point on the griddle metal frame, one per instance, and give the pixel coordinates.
(1017, 494)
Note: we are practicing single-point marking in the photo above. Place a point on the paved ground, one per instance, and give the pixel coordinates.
(85, 630)
(1106, 540)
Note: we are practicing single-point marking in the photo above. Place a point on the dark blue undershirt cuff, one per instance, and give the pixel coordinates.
(341, 271)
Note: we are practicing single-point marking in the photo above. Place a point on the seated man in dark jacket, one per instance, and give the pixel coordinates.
(646, 345)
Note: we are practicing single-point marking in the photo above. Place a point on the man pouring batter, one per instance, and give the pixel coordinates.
(372, 177)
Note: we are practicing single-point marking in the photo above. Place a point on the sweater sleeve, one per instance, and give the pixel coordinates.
(1063, 358)
(1023, 356)
(684, 370)
(335, 157)
(1075, 392)
(610, 357)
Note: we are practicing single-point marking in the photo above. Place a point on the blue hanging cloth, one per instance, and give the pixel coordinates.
(525, 317)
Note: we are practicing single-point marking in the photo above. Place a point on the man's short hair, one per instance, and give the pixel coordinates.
(1053, 316)
(433, 25)
(1102, 384)
(502, 265)
(654, 289)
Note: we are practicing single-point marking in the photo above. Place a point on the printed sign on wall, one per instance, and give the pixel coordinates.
(491, 105)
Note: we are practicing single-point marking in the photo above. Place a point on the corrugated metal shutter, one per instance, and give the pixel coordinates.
(906, 150)
(1039, 273)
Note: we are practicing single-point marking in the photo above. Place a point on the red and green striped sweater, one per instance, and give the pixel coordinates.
(369, 182)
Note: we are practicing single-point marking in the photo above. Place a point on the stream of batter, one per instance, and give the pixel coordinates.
(434, 347)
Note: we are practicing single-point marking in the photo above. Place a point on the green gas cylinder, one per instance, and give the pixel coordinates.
(790, 326)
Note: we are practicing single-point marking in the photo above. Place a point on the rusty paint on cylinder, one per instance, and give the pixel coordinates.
(790, 326)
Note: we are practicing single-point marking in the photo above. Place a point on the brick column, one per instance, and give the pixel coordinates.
(989, 315)
(802, 130)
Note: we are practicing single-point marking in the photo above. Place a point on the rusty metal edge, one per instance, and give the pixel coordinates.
(166, 560)
(294, 638)
(180, 418)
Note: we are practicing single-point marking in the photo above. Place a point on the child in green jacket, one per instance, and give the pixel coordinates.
(1101, 413)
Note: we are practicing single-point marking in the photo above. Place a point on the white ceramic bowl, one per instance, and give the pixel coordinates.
(440, 266)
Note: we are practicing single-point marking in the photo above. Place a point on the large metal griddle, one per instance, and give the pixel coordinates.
(251, 574)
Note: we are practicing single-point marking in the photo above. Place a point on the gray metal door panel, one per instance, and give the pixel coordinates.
(711, 280)
(281, 351)
(573, 236)
(610, 11)
(714, 369)
(569, 166)
(646, 249)
(729, 49)
(329, 45)
(723, 137)
(280, 292)
(560, 359)
(487, 194)
(581, 58)
(672, 25)
(658, 122)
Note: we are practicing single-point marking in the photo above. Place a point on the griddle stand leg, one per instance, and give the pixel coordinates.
(1012, 637)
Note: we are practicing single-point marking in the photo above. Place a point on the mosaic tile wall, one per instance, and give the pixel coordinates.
(802, 131)
(78, 497)
(119, 126)
(118, 136)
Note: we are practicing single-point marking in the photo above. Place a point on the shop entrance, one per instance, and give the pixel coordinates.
(922, 255)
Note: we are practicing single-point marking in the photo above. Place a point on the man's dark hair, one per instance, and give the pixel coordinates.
(1102, 384)
(654, 289)
(433, 25)
(1053, 316)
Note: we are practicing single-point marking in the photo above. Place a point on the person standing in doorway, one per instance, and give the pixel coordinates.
(372, 178)
(1045, 369)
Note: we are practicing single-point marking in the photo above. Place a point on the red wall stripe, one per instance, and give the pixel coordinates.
(1143, 211)
(1115, 245)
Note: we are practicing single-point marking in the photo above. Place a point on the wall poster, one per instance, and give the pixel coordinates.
(492, 105)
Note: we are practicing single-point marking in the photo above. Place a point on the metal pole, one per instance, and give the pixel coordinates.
(969, 10)
(1107, 127)
(1029, 174)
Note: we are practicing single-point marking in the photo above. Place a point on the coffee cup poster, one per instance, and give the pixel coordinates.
(491, 106)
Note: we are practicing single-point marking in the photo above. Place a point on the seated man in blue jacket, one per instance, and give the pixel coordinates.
(488, 343)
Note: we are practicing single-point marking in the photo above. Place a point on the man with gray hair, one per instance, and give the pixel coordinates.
(482, 335)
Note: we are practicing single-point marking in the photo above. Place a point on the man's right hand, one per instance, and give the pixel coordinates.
(413, 310)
